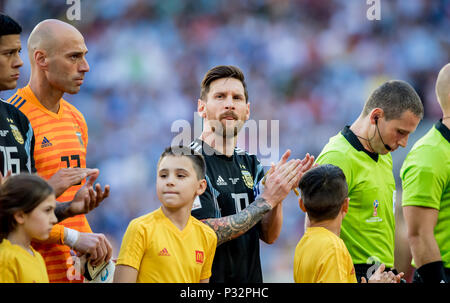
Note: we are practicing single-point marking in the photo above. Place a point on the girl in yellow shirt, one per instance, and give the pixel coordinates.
(27, 205)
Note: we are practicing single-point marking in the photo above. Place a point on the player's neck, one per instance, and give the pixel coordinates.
(179, 216)
(20, 237)
(446, 121)
(361, 128)
(223, 145)
(46, 94)
(333, 225)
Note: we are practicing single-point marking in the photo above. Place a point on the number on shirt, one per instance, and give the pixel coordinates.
(72, 157)
(11, 163)
(240, 200)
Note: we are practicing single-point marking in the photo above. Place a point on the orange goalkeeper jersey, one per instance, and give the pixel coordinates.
(60, 141)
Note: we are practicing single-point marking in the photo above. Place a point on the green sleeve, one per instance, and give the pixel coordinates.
(338, 159)
(422, 179)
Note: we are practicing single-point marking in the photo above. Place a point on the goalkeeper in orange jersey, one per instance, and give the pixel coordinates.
(58, 64)
(16, 135)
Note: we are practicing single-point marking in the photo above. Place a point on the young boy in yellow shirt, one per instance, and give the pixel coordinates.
(321, 256)
(27, 205)
(168, 245)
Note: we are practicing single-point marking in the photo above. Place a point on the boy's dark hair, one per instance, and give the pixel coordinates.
(323, 191)
(198, 162)
(394, 98)
(22, 192)
(8, 26)
(219, 72)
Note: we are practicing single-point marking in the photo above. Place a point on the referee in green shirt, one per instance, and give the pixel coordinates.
(426, 194)
(362, 150)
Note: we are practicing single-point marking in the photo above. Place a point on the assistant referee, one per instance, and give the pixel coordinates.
(426, 194)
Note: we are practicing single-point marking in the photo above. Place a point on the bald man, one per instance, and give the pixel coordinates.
(16, 134)
(58, 64)
(426, 194)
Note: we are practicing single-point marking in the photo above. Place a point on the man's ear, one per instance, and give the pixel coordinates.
(376, 114)
(40, 57)
(301, 204)
(201, 187)
(201, 108)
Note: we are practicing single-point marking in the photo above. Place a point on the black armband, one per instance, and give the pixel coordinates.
(432, 272)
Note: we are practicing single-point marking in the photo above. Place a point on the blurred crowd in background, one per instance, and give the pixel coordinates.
(308, 64)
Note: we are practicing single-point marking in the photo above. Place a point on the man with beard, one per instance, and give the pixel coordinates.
(232, 204)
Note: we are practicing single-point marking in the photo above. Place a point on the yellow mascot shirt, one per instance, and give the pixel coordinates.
(162, 253)
(322, 257)
(17, 265)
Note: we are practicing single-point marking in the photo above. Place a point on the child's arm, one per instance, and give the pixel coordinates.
(126, 274)
(131, 253)
(204, 280)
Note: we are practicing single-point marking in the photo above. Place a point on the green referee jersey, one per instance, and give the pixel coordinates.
(426, 181)
(368, 229)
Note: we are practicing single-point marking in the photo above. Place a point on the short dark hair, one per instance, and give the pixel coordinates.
(394, 98)
(198, 162)
(8, 26)
(219, 72)
(323, 190)
(23, 192)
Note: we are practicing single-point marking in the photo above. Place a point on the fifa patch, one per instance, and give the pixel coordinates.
(375, 208)
(375, 217)
(16, 133)
(199, 256)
